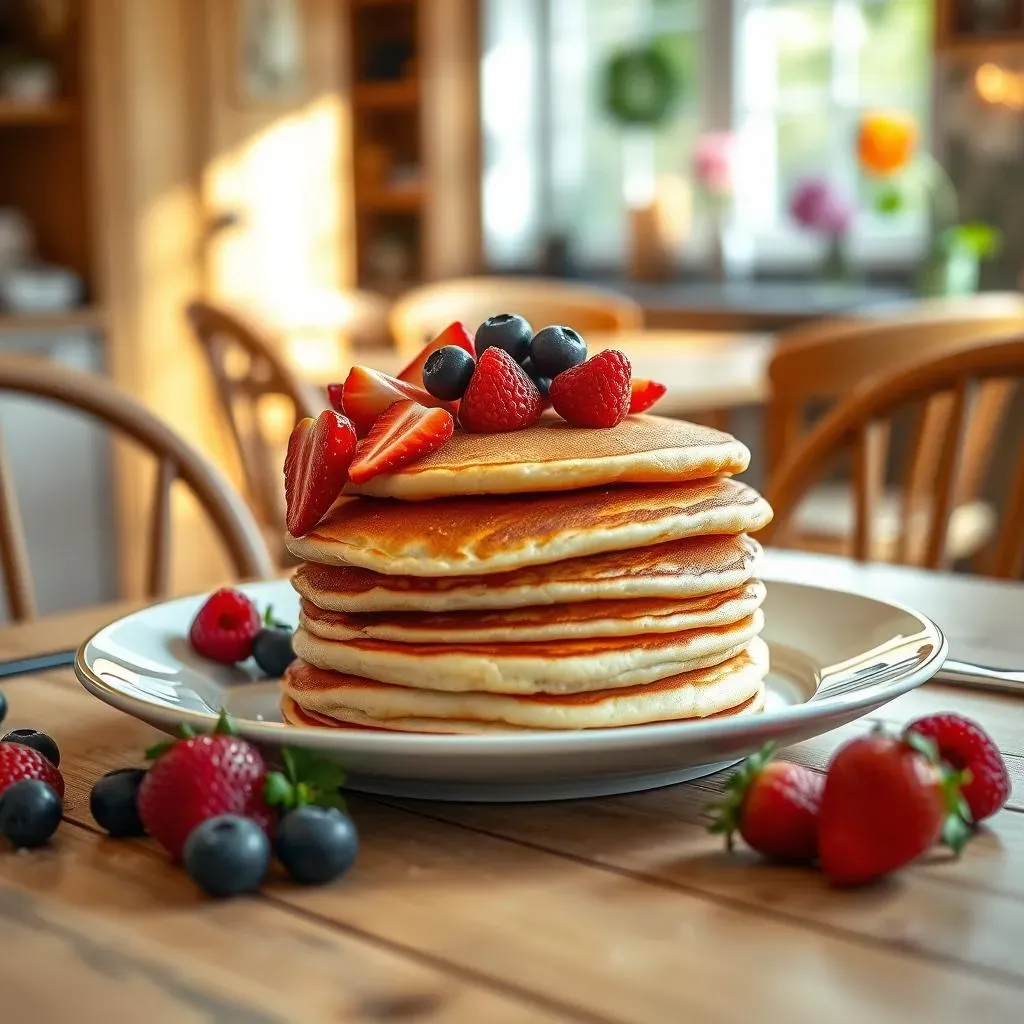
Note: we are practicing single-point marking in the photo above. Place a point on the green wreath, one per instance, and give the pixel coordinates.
(641, 86)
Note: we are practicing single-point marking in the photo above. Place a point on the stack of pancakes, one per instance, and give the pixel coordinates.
(555, 578)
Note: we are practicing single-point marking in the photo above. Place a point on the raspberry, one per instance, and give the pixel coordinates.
(225, 627)
(963, 744)
(500, 396)
(18, 762)
(595, 393)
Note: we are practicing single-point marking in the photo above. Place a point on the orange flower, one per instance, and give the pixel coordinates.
(885, 142)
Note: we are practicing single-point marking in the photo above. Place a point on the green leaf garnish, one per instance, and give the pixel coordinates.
(307, 779)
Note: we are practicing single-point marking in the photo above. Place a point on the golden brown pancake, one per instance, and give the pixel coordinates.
(555, 456)
(558, 666)
(334, 696)
(675, 570)
(575, 621)
(498, 533)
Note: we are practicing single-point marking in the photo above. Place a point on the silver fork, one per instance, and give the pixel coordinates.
(980, 677)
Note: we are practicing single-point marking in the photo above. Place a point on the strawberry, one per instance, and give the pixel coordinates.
(644, 393)
(453, 334)
(886, 802)
(18, 762)
(403, 433)
(316, 468)
(965, 746)
(335, 397)
(367, 393)
(225, 627)
(595, 393)
(200, 777)
(500, 396)
(774, 806)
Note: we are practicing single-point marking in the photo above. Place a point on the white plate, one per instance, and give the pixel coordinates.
(835, 656)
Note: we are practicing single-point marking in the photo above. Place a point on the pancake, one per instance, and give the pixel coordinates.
(467, 536)
(676, 570)
(562, 666)
(580, 620)
(294, 715)
(734, 684)
(555, 456)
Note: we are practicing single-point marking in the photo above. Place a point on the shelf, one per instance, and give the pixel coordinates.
(387, 95)
(32, 114)
(404, 199)
(89, 318)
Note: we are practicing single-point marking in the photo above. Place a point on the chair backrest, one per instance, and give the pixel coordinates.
(176, 460)
(945, 397)
(250, 374)
(821, 363)
(421, 313)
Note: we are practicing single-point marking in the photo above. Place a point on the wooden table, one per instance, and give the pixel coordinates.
(618, 909)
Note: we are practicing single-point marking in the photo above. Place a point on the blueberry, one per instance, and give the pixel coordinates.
(3, 706)
(113, 803)
(272, 650)
(556, 349)
(447, 371)
(38, 741)
(30, 812)
(316, 844)
(227, 855)
(543, 383)
(507, 331)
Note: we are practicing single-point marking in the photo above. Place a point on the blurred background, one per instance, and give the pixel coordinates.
(344, 176)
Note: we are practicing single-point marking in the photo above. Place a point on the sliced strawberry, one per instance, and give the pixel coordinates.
(644, 393)
(453, 334)
(316, 468)
(367, 393)
(336, 398)
(405, 432)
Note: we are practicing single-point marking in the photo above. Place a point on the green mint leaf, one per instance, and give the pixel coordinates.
(278, 791)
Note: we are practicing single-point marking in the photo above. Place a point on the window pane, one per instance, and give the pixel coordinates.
(804, 147)
(895, 52)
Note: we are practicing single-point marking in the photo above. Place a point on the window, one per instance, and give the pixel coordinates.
(790, 77)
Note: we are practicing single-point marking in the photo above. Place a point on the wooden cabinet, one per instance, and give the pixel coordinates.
(967, 25)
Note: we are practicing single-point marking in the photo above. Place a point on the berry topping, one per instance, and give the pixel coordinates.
(316, 468)
(543, 383)
(447, 372)
(774, 805)
(406, 432)
(644, 393)
(454, 334)
(368, 393)
(557, 349)
(30, 812)
(336, 397)
(964, 745)
(227, 855)
(37, 740)
(225, 627)
(886, 802)
(316, 844)
(114, 803)
(201, 777)
(506, 331)
(272, 650)
(19, 762)
(595, 393)
(500, 396)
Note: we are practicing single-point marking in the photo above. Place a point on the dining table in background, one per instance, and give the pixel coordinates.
(619, 909)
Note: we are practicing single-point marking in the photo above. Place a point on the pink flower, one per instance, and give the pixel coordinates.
(713, 160)
(818, 207)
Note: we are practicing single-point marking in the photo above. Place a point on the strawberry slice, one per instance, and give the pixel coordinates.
(644, 393)
(316, 468)
(453, 334)
(405, 432)
(367, 393)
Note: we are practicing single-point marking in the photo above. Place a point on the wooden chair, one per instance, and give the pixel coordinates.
(946, 398)
(176, 460)
(420, 314)
(253, 379)
(811, 369)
